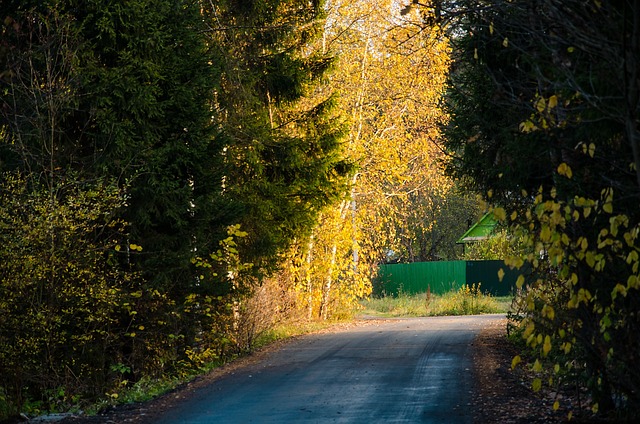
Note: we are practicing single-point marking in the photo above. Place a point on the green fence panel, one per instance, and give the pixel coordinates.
(443, 276)
(486, 273)
(439, 277)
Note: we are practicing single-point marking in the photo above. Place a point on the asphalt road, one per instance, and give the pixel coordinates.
(416, 370)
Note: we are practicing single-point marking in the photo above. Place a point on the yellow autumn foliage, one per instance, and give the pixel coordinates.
(390, 78)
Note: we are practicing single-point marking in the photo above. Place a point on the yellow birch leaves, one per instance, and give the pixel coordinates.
(390, 77)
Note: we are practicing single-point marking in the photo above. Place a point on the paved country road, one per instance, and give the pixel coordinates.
(416, 370)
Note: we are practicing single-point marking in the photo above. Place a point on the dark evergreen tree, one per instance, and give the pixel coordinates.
(121, 93)
(283, 152)
(148, 81)
(194, 114)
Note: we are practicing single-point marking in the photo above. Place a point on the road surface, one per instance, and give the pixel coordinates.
(416, 370)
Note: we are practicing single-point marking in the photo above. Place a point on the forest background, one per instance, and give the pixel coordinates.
(178, 176)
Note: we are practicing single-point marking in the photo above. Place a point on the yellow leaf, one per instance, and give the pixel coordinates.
(619, 288)
(491, 28)
(607, 207)
(550, 312)
(505, 42)
(584, 244)
(545, 233)
(541, 104)
(520, 281)
(553, 101)
(565, 170)
(546, 347)
(117, 247)
(592, 149)
(515, 361)
(500, 274)
(536, 385)
(576, 215)
(556, 405)
(500, 214)
(527, 126)
(537, 366)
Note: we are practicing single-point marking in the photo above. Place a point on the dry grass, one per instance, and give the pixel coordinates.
(468, 300)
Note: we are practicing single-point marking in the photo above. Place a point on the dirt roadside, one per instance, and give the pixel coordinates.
(500, 394)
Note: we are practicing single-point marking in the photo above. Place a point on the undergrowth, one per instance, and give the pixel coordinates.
(147, 389)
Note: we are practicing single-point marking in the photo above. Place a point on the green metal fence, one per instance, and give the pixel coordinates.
(443, 276)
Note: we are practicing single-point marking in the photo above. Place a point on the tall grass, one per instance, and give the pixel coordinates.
(467, 300)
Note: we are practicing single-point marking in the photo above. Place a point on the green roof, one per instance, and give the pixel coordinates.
(481, 230)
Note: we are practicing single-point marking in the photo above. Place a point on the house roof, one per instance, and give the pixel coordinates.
(481, 230)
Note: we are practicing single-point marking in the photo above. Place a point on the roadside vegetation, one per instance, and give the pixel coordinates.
(180, 178)
(545, 124)
(467, 300)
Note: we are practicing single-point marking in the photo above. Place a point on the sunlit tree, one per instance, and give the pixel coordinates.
(390, 76)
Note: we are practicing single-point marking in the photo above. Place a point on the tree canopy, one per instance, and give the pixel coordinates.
(390, 76)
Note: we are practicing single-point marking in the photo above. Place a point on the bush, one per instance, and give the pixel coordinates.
(61, 289)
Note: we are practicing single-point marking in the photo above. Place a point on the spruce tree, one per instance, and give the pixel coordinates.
(283, 152)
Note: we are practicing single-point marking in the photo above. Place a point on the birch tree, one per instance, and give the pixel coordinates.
(390, 77)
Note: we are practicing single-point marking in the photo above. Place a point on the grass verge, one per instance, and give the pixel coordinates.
(468, 300)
